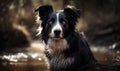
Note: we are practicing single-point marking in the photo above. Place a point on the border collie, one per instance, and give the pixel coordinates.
(66, 49)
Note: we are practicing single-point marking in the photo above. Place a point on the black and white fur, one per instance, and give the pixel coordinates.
(66, 49)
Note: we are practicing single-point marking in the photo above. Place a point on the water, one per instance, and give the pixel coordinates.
(28, 61)
(32, 59)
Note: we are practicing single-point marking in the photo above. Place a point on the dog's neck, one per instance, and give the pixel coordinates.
(57, 45)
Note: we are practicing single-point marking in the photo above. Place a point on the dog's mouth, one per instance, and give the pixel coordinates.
(57, 37)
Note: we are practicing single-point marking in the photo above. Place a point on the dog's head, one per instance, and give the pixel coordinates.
(57, 24)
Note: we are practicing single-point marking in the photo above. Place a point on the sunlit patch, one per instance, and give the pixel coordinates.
(20, 58)
(37, 46)
(112, 46)
(99, 49)
(39, 59)
(15, 57)
(70, 6)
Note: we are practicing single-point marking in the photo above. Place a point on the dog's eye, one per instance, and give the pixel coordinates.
(50, 22)
(63, 22)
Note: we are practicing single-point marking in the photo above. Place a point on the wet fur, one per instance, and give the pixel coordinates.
(69, 53)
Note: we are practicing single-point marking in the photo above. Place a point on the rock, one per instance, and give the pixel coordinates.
(12, 38)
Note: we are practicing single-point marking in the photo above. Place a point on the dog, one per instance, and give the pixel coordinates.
(66, 49)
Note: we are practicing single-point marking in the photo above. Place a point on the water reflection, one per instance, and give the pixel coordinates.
(21, 57)
(23, 61)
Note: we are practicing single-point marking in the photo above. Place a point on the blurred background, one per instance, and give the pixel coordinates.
(22, 50)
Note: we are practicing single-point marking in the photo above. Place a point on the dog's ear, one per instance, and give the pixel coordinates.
(44, 11)
(72, 14)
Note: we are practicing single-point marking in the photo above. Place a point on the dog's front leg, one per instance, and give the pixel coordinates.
(48, 53)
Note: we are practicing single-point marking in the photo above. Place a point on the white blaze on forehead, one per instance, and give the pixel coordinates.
(57, 25)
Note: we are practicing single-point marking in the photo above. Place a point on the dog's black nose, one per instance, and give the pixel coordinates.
(57, 32)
